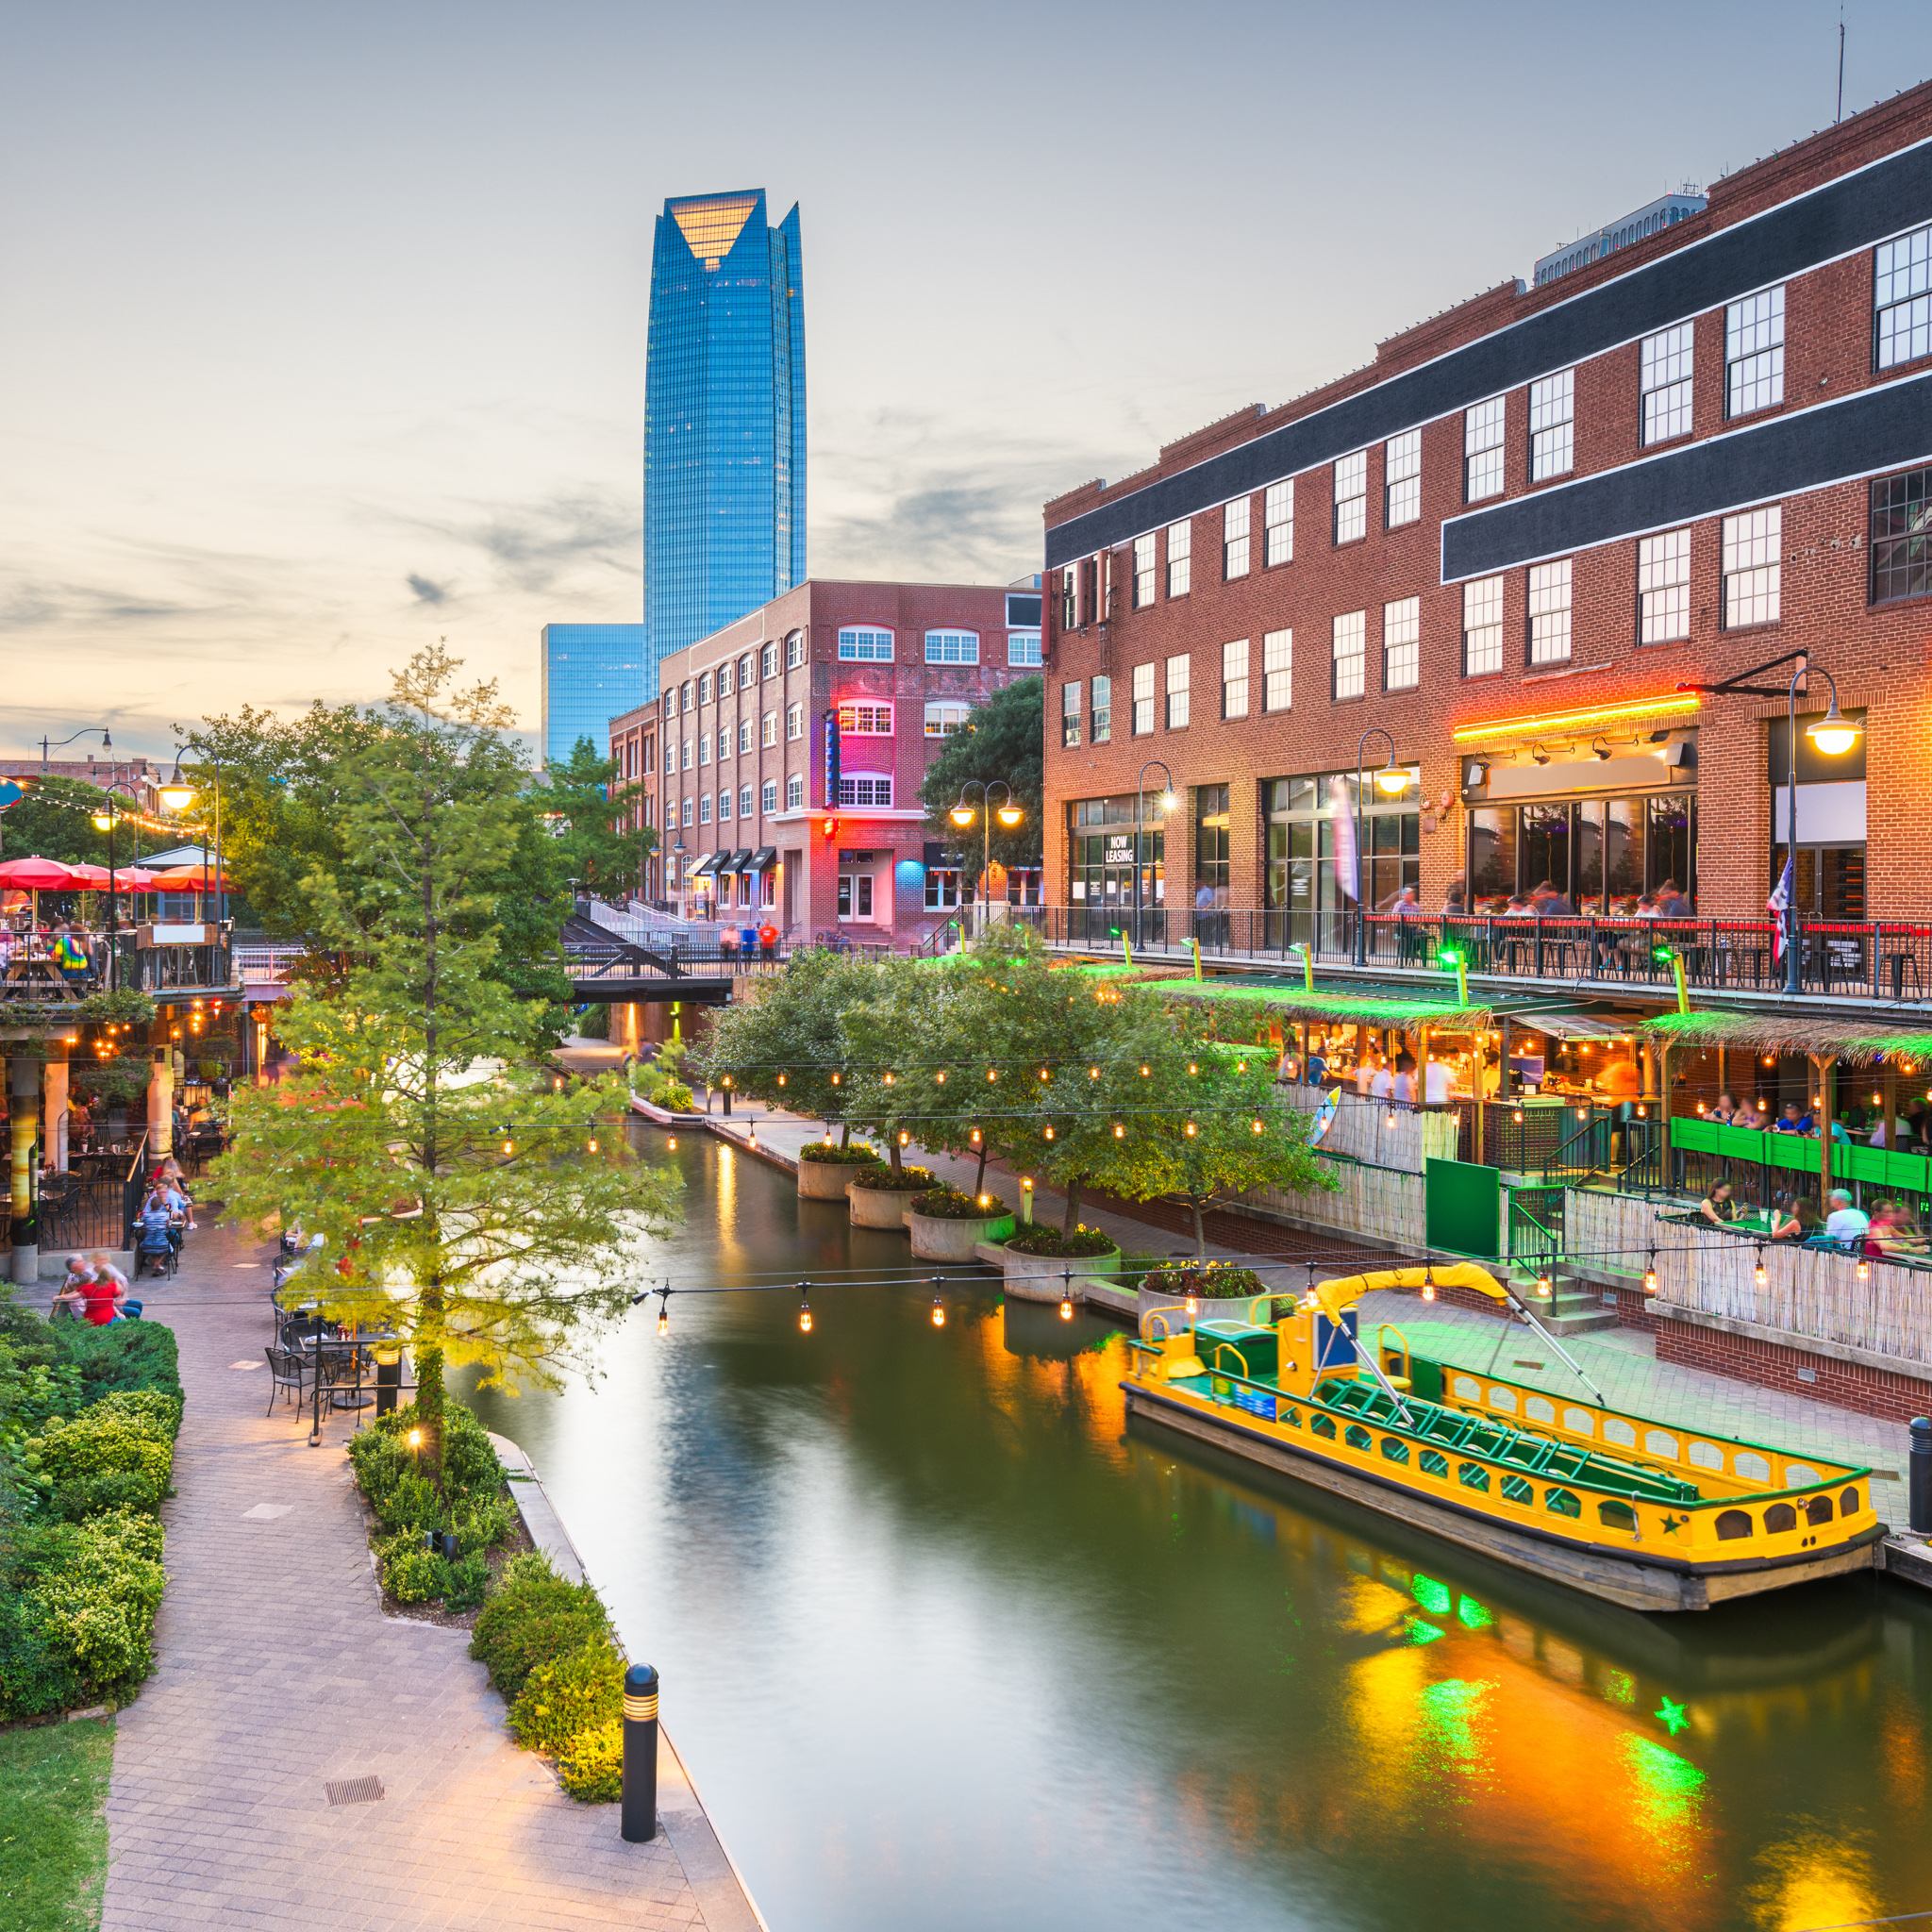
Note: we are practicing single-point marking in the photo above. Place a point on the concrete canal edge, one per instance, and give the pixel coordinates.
(720, 1892)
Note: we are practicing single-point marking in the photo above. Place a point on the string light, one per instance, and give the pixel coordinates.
(991, 1073)
(1144, 1071)
(1650, 1275)
(1044, 1074)
(889, 1079)
(1120, 1133)
(1864, 1271)
(1188, 1131)
(1049, 1131)
(905, 1138)
(1256, 1126)
(1761, 1274)
(1093, 1073)
(1066, 1306)
(781, 1079)
(941, 1076)
(672, 1143)
(664, 1314)
(939, 1312)
(1193, 1302)
(508, 1148)
(593, 1144)
(976, 1136)
(804, 1311)
(1428, 1284)
(1544, 1286)
(1194, 1067)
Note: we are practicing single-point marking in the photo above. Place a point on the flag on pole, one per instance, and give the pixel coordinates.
(1342, 805)
(1777, 906)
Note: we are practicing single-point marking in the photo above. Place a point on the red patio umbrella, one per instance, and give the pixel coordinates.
(37, 874)
(127, 878)
(189, 878)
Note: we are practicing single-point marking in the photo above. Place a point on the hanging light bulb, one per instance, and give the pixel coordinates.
(663, 1317)
(804, 1311)
(1864, 1271)
(593, 1144)
(1066, 1306)
(1428, 1284)
(1049, 1131)
(1255, 1126)
(828, 1134)
(781, 1079)
(1193, 1302)
(1650, 1275)
(905, 1138)
(673, 1142)
(1240, 1066)
(1392, 1116)
(991, 1073)
(1093, 1073)
(889, 1079)
(1517, 1116)
(1044, 1074)
(1761, 1274)
(753, 1141)
(1120, 1133)
(835, 1079)
(939, 1312)
(941, 1076)
(1543, 1287)
(1144, 1072)
(976, 1136)
(508, 1148)
(1193, 1066)
(1188, 1131)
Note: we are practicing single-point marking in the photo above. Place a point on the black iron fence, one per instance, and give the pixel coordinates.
(1876, 960)
(93, 1205)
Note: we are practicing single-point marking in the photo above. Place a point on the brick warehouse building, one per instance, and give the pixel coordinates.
(1507, 543)
(874, 676)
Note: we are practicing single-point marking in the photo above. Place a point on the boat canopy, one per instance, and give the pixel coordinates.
(1338, 1296)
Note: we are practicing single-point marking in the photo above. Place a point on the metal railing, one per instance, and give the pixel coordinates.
(1876, 960)
(94, 1204)
(1535, 1223)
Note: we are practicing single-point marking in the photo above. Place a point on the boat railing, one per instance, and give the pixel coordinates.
(1222, 1348)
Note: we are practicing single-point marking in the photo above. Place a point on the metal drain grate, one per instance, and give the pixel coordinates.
(354, 1790)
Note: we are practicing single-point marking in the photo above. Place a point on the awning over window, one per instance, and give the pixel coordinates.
(736, 861)
(708, 863)
(762, 859)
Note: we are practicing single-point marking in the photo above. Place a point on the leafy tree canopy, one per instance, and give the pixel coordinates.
(1000, 742)
(582, 811)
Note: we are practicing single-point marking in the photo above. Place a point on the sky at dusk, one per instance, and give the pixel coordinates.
(322, 329)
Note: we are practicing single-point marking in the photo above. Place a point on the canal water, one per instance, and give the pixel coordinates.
(947, 1645)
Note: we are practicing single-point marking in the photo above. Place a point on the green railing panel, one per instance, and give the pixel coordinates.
(1908, 1170)
(1866, 1164)
(1740, 1143)
(1695, 1136)
(1793, 1151)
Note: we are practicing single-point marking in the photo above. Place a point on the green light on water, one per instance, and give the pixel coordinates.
(1472, 1614)
(1429, 1594)
(1619, 1689)
(1422, 1631)
(1670, 1716)
(1449, 1711)
(1668, 1787)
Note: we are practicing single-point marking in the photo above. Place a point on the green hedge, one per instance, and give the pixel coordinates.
(1040, 1237)
(533, 1617)
(116, 1454)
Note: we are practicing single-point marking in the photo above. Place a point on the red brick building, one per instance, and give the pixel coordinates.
(782, 761)
(1507, 544)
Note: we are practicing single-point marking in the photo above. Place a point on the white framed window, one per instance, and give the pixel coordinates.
(1346, 674)
(1402, 479)
(945, 716)
(1663, 587)
(725, 684)
(1753, 544)
(1664, 381)
(705, 687)
(1023, 648)
(1177, 676)
(1482, 626)
(1070, 714)
(1234, 679)
(1755, 353)
(1144, 699)
(1902, 298)
(744, 801)
(768, 795)
(795, 722)
(768, 661)
(865, 788)
(723, 743)
(690, 695)
(769, 733)
(704, 807)
(689, 807)
(951, 647)
(795, 650)
(724, 808)
(1482, 451)
(1553, 426)
(941, 888)
(745, 671)
(650, 762)
(794, 792)
(689, 753)
(1549, 612)
(1143, 571)
(743, 735)
(1070, 597)
(1402, 645)
(1278, 671)
(865, 720)
(1277, 522)
(1351, 497)
(1100, 719)
(1180, 551)
(704, 748)
(858, 645)
(1234, 539)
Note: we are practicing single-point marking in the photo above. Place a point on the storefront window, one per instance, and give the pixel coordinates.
(1105, 886)
(1602, 854)
(1302, 892)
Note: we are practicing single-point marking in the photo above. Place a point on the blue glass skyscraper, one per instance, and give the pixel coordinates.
(592, 673)
(724, 417)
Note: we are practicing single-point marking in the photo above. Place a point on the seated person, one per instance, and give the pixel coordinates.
(1727, 1113)
(153, 1229)
(69, 1294)
(1896, 1231)
(1793, 1218)
(1402, 1087)
(1718, 1207)
(1519, 908)
(104, 1293)
(1791, 1121)
(1843, 1224)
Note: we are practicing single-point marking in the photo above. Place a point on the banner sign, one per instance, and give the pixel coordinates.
(832, 758)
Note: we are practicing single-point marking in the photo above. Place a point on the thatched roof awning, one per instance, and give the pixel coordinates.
(1365, 1007)
(1807, 1033)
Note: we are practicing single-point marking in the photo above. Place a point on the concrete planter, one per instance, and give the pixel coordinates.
(1215, 1310)
(1042, 1278)
(827, 1180)
(880, 1206)
(936, 1239)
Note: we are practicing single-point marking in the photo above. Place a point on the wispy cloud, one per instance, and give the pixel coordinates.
(532, 547)
(427, 591)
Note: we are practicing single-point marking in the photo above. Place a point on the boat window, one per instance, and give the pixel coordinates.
(1288, 1413)
(1848, 1503)
(1434, 1462)
(1617, 1430)
(1707, 1455)
(1537, 1410)
(1660, 1442)
(1579, 1422)
(1518, 1488)
(1779, 1518)
(1800, 1476)
(1394, 1449)
(1468, 1387)
(1818, 1510)
(1358, 1438)
(1732, 1523)
(1617, 1516)
(1473, 1475)
(1324, 1426)
(1503, 1398)
(1561, 1503)
(1754, 1469)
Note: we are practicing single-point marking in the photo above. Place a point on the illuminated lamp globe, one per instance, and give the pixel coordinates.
(1392, 780)
(961, 815)
(103, 821)
(177, 797)
(1010, 815)
(1834, 734)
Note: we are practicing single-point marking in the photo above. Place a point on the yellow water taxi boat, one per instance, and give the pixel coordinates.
(1647, 1514)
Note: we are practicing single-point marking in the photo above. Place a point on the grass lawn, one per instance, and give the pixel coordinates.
(53, 1831)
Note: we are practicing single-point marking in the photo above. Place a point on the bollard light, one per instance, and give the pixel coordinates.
(638, 1808)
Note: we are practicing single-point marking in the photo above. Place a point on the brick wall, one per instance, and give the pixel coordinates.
(1770, 1365)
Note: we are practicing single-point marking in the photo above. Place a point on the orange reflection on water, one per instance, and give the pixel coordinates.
(1033, 1369)
(1813, 1880)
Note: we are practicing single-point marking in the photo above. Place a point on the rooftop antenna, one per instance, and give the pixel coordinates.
(1840, 115)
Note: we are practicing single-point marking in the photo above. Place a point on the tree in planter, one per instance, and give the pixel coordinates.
(786, 1042)
(455, 1190)
(890, 1038)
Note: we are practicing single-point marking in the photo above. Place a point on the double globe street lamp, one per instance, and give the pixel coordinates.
(963, 814)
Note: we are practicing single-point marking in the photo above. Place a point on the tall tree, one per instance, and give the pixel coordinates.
(583, 812)
(457, 1187)
(1000, 742)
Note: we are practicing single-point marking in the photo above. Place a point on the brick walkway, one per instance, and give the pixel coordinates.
(280, 1673)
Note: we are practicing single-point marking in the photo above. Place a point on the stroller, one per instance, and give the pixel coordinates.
(154, 1249)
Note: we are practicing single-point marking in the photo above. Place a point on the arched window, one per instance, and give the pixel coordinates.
(865, 645)
(1732, 1523)
(951, 647)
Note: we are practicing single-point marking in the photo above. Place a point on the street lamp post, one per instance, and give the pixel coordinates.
(105, 821)
(961, 815)
(1167, 806)
(1834, 735)
(56, 744)
(1390, 779)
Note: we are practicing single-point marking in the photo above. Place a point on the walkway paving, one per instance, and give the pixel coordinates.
(279, 1674)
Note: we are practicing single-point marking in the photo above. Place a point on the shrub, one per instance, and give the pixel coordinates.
(590, 1768)
(108, 1457)
(1039, 1238)
(841, 1157)
(534, 1617)
(570, 1694)
(121, 1357)
(1224, 1281)
(948, 1204)
(909, 1180)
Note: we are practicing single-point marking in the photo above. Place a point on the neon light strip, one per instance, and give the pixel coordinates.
(1673, 704)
